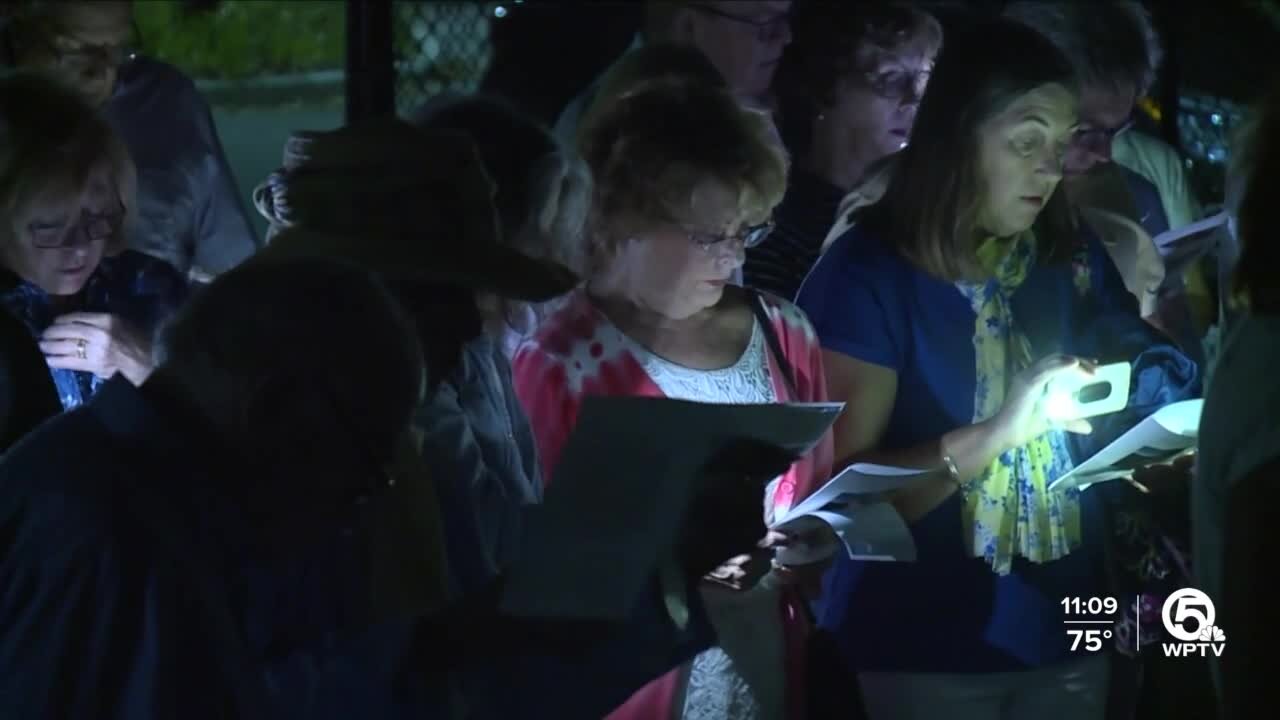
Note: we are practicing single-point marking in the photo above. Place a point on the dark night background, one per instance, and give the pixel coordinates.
(269, 67)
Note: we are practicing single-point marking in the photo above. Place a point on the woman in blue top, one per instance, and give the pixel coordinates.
(944, 313)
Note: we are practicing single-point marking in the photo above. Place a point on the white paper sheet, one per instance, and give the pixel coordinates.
(1161, 436)
(868, 531)
(847, 503)
(1182, 246)
(613, 510)
(857, 479)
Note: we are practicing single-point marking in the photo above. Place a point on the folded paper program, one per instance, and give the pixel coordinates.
(1160, 437)
(852, 505)
(615, 508)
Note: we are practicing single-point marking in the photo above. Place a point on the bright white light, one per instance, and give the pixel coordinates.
(499, 12)
(1060, 405)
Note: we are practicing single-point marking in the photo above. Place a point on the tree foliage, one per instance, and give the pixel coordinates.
(242, 39)
(1271, 9)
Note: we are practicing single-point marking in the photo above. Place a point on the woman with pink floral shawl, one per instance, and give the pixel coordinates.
(686, 179)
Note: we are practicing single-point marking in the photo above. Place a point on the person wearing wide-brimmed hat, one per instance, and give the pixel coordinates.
(439, 242)
(416, 207)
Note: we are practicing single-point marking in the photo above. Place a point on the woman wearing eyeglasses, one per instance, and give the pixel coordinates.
(190, 213)
(849, 84)
(66, 189)
(686, 179)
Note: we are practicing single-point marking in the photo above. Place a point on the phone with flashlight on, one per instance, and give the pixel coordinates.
(1080, 396)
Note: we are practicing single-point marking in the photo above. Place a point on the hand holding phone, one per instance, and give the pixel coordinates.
(1077, 396)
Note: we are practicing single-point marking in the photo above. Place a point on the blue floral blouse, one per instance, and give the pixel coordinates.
(136, 287)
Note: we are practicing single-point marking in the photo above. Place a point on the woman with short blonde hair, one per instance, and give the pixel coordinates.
(685, 179)
(66, 196)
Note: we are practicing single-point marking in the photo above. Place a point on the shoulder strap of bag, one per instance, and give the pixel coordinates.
(761, 312)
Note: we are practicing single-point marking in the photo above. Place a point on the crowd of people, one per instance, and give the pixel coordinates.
(288, 476)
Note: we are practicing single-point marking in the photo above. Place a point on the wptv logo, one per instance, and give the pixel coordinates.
(1189, 616)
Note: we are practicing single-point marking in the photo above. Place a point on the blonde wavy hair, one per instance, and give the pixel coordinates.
(653, 144)
(50, 141)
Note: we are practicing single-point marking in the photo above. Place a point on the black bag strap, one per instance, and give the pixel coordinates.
(761, 311)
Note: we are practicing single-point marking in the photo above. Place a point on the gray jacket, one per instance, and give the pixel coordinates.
(480, 448)
(191, 214)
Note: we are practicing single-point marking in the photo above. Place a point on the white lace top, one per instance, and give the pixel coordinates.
(741, 679)
(745, 381)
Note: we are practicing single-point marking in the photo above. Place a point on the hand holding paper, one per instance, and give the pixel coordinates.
(1160, 437)
(647, 482)
(850, 505)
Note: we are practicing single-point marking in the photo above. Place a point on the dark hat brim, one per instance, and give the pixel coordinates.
(494, 268)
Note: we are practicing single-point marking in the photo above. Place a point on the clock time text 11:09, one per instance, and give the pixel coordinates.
(1079, 606)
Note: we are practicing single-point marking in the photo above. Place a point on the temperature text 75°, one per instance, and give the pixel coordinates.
(1091, 639)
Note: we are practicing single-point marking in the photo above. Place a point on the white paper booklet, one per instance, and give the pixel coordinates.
(614, 509)
(1182, 246)
(1160, 437)
(869, 528)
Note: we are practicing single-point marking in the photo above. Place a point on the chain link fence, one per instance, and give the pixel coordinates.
(440, 46)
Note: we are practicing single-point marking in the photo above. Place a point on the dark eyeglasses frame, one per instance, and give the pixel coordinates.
(749, 237)
(1095, 135)
(116, 57)
(82, 233)
(906, 86)
(766, 30)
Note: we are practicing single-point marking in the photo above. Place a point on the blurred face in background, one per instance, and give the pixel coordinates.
(85, 43)
(744, 39)
(1105, 112)
(875, 106)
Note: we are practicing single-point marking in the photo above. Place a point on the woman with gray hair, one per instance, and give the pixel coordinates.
(474, 423)
(850, 84)
(541, 193)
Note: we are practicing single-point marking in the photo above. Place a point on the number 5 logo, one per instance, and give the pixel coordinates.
(1186, 612)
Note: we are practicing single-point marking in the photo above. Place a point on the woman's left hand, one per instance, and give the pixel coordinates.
(98, 343)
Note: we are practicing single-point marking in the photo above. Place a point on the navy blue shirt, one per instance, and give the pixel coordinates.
(97, 618)
(804, 217)
(130, 587)
(948, 612)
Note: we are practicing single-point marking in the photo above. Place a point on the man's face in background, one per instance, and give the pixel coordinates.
(85, 43)
(1105, 112)
(744, 39)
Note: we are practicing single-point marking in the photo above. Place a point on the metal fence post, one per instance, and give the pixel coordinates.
(371, 72)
